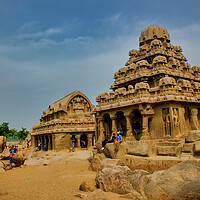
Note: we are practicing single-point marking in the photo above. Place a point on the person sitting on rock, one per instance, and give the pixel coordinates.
(118, 140)
(112, 139)
(105, 140)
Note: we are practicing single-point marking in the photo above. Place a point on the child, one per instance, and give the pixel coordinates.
(11, 155)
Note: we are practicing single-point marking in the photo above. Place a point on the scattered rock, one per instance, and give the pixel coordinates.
(18, 159)
(96, 195)
(86, 186)
(115, 179)
(96, 161)
(107, 162)
(80, 195)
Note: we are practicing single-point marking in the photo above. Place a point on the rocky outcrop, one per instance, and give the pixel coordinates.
(179, 182)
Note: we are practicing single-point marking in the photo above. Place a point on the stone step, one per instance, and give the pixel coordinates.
(168, 144)
(166, 150)
(186, 156)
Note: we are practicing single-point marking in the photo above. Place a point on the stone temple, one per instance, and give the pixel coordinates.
(68, 117)
(154, 100)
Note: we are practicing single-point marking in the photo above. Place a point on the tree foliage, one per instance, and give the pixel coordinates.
(13, 133)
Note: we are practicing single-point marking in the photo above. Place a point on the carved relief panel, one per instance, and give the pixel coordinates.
(79, 105)
(171, 121)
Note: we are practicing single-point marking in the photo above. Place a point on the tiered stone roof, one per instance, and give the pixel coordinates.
(157, 72)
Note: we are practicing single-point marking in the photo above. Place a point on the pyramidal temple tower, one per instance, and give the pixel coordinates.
(155, 97)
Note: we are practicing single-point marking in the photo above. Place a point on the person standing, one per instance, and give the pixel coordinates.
(11, 155)
(72, 144)
(39, 145)
(118, 140)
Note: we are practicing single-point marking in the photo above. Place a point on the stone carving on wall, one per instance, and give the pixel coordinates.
(176, 123)
(167, 121)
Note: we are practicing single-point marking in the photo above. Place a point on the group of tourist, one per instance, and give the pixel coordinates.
(114, 139)
(12, 150)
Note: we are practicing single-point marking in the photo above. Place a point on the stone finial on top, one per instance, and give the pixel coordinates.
(153, 32)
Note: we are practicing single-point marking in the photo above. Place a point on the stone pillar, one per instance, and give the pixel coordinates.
(101, 136)
(78, 141)
(145, 128)
(194, 118)
(114, 123)
(33, 141)
(89, 140)
(129, 133)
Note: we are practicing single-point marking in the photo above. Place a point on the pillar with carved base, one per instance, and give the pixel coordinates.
(129, 133)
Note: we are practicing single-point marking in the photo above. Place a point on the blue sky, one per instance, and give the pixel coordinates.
(49, 48)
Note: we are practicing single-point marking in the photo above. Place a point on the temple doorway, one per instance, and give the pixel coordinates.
(108, 124)
(121, 123)
(83, 140)
(137, 124)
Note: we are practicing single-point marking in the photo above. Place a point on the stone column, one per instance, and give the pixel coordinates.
(145, 128)
(89, 140)
(129, 133)
(194, 118)
(78, 141)
(101, 136)
(114, 123)
(33, 141)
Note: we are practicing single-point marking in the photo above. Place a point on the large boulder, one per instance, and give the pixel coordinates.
(5, 154)
(178, 182)
(110, 152)
(141, 148)
(181, 182)
(118, 179)
(2, 143)
(18, 159)
(96, 161)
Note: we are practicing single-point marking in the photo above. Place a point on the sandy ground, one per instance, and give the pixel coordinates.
(59, 179)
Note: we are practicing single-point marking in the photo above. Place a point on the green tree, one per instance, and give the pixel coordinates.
(22, 134)
(4, 129)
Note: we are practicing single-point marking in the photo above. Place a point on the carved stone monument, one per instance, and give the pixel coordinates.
(156, 95)
(69, 117)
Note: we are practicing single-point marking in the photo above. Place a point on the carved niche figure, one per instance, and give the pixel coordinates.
(176, 123)
(194, 118)
(167, 121)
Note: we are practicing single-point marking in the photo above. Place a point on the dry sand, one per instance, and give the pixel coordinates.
(59, 179)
